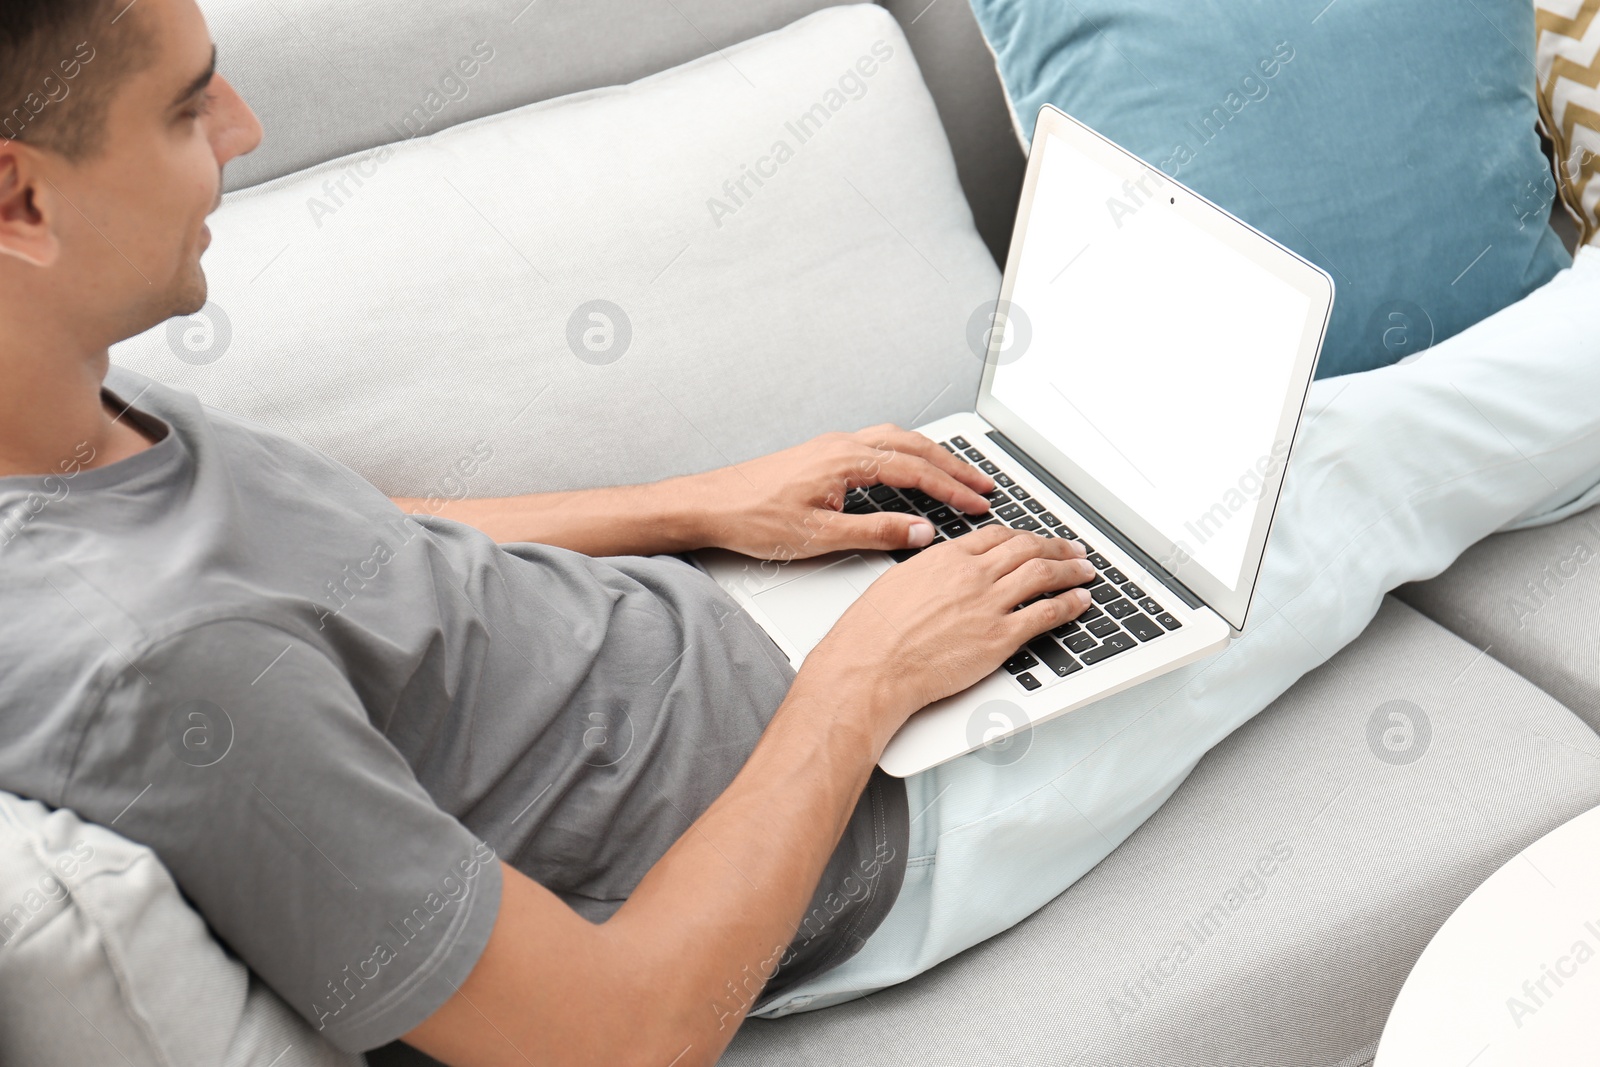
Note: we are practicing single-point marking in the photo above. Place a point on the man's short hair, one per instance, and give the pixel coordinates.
(60, 64)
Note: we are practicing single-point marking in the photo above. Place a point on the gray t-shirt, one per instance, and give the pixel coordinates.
(331, 720)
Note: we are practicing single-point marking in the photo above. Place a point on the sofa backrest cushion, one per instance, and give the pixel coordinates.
(331, 79)
(618, 286)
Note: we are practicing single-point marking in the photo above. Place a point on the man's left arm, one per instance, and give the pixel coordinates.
(782, 506)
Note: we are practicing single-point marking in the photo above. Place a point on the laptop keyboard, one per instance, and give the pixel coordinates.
(1120, 615)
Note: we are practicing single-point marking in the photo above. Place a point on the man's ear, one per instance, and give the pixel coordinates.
(28, 206)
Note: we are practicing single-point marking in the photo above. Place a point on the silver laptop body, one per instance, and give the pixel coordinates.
(1145, 369)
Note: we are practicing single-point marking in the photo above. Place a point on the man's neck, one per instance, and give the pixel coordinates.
(52, 418)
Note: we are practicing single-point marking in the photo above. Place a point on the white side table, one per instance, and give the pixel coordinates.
(1513, 976)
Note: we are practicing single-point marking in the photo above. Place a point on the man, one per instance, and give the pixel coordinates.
(515, 804)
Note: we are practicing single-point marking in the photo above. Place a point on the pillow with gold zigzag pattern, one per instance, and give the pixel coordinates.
(1568, 59)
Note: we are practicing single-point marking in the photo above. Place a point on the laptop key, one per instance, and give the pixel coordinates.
(1029, 682)
(961, 442)
(1142, 626)
(1010, 511)
(1087, 547)
(1021, 662)
(1090, 613)
(1017, 490)
(1054, 656)
(880, 493)
(1148, 604)
(1169, 621)
(1120, 609)
(947, 446)
(1099, 561)
(972, 454)
(1118, 642)
(1079, 642)
(1025, 523)
(897, 505)
(990, 521)
(1106, 593)
(1102, 628)
(943, 514)
(1033, 505)
(998, 498)
(1133, 591)
(1067, 629)
(955, 529)
(1050, 520)
(1003, 479)
(989, 466)
(900, 555)
(860, 509)
(1097, 580)
(1116, 575)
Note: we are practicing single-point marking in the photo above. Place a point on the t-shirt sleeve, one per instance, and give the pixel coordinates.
(242, 755)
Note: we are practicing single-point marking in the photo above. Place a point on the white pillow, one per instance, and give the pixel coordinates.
(780, 223)
(102, 961)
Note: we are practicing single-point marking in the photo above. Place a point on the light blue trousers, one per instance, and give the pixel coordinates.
(1395, 472)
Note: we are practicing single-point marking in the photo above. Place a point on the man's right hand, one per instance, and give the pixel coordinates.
(944, 619)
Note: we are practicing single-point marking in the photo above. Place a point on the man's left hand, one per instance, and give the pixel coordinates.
(787, 505)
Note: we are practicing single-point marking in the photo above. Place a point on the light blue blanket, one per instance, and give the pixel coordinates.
(1395, 472)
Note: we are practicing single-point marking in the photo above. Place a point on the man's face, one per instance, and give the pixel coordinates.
(132, 228)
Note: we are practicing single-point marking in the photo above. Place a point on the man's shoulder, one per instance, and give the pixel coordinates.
(74, 675)
(199, 682)
(221, 640)
(155, 662)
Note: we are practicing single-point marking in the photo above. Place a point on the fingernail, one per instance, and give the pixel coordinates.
(921, 535)
(1081, 596)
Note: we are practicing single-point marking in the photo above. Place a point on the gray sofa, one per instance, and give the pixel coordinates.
(1371, 846)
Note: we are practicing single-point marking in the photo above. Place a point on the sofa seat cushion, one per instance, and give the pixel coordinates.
(1530, 599)
(1269, 912)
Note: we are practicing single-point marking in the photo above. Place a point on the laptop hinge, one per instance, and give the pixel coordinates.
(1144, 559)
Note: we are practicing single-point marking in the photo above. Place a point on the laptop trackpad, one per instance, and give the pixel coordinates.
(804, 610)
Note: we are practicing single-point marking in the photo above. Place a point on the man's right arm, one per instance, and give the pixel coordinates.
(651, 985)
(665, 980)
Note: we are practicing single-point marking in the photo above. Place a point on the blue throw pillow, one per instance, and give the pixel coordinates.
(1392, 142)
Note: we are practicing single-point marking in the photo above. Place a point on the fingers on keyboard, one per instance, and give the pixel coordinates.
(1121, 616)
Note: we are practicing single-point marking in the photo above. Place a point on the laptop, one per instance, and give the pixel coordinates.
(1145, 367)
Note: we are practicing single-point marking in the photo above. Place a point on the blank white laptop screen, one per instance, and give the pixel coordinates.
(1154, 356)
